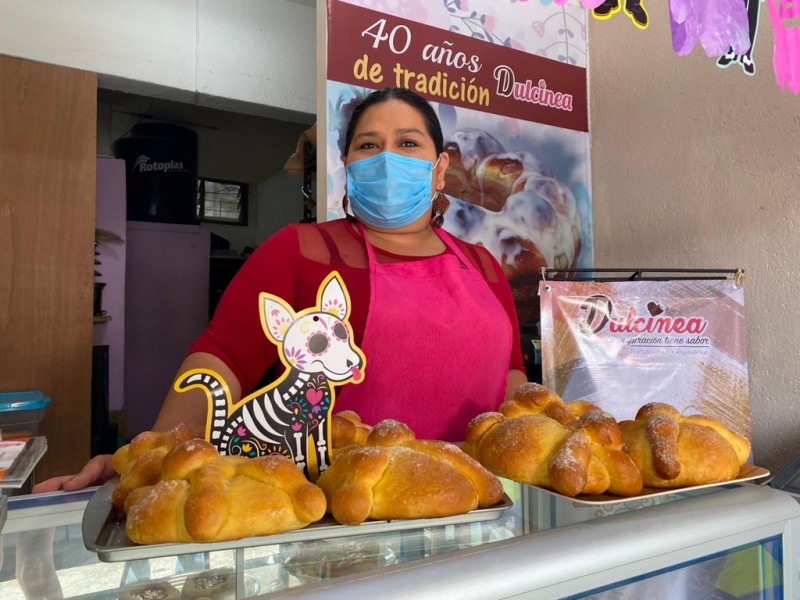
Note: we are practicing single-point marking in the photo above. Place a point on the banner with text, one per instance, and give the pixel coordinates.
(623, 344)
(376, 50)
(508, 83)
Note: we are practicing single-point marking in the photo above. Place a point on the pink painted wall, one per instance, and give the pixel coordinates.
(110, 216)
(166, 308)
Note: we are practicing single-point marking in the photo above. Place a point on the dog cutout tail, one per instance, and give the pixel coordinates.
(218, 397)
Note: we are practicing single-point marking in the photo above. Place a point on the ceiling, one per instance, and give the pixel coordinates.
(193, 115)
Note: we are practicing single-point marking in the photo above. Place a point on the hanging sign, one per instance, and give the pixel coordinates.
(508, 82)
(623, 344)
(376, 50)
(289, 416)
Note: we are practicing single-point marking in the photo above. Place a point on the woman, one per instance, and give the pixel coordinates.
(433, 315)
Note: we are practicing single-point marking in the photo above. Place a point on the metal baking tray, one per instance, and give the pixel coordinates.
(3, 511)
(104, 530)
(746, 473)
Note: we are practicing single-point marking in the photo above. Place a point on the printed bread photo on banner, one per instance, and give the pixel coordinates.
(518, 188)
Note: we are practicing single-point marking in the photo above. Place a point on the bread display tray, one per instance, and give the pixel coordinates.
(104, 530)
(746, 473)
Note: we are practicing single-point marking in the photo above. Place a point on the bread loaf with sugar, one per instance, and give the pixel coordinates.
(227, 498)
(139, 462)
(602, 430)
(674, 451)
(533, 398)
(583, 458)
(347, 429)
(396, 476)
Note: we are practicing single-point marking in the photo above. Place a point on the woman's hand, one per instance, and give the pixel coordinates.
(515, 379)
(95, 472)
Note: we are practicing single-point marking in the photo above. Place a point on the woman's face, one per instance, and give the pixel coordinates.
(394, 126)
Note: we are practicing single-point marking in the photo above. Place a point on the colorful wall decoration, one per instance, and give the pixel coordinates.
(727, 29)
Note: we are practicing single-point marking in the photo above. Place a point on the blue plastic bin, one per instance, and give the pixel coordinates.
(21, 412)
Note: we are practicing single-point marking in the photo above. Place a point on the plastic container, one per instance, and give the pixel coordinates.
(21, 413)
(161, 172)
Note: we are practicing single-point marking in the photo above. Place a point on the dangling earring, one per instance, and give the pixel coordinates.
(440, 206)
(345, 206)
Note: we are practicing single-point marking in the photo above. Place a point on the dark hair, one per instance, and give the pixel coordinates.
(404, 95)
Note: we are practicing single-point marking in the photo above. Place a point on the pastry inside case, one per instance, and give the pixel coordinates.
(323, 559)
(213, 584)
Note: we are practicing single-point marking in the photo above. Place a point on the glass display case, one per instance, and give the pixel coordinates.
(738, 541)
(788, 479)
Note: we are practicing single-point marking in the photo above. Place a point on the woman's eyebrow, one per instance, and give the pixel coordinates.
(401, 131)
(407, 130)
(366, 134)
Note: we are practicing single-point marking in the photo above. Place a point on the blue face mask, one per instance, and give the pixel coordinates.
(389, 190)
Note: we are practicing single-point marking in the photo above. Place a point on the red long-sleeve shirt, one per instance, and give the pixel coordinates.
(291, 264)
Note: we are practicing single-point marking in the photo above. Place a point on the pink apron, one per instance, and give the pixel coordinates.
(437, 342)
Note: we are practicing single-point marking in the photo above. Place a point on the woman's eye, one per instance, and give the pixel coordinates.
(339, 331)
(409, 144)
(367, 146)
(317, 343)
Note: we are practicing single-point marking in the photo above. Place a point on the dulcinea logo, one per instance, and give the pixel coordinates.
(597, 312)
(143, 165)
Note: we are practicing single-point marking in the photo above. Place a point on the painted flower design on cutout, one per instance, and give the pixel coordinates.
(335, 307)
(295, 357)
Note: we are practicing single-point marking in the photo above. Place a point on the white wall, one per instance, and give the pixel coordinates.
(279, 202)
(259, 53)
(697, 167)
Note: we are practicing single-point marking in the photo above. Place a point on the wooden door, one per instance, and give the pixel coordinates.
(48, 123)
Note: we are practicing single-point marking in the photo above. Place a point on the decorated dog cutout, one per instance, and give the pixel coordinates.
(289, 416)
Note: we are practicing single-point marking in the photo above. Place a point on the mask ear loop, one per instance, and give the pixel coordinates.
(346, 206)
(346, 200)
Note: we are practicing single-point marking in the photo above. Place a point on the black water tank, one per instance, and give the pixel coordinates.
(161, 172)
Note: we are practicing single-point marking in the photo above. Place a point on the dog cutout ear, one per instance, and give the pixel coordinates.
(276, 316)
(333, 297)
